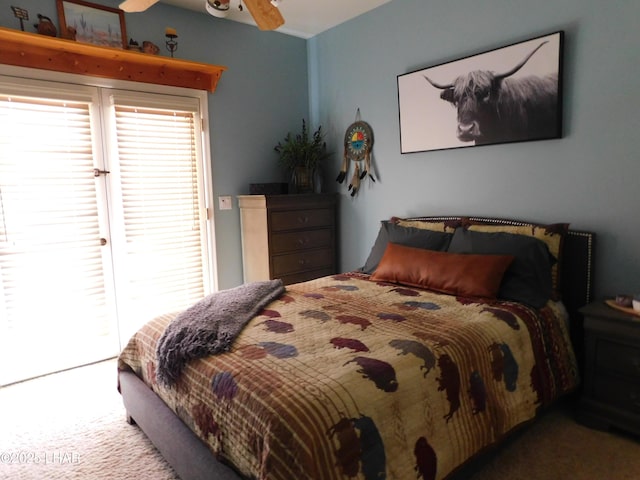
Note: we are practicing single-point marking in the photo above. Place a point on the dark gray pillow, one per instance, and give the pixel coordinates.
(407, 236)
(528, 278)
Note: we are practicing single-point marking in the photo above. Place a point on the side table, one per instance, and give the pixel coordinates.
(611, 393)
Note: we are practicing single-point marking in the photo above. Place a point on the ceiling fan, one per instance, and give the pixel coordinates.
(265, 12)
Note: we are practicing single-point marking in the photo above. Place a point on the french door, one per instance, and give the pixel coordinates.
(103, 220)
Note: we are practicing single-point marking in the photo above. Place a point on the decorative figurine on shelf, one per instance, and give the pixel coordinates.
(46, 26)
(150, 47)
(21, 14)
(69, 33)
(172, 44)
(133, 45)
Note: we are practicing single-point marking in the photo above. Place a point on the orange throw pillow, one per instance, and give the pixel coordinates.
(461, 274)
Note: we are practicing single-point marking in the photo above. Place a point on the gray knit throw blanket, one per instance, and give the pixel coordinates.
(210, 326)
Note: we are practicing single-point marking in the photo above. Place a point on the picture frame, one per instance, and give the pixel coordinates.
(517, 97)
(91, 23)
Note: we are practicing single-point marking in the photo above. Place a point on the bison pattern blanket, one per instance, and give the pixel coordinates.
(342, 377)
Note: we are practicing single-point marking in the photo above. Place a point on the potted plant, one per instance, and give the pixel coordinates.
(302, 156)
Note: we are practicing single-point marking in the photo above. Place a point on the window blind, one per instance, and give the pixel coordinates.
(163, 213)
(84, 259)
(52, 290)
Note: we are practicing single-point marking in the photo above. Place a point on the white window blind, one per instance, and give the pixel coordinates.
(163, 257)
(52, 290)
(84, 259)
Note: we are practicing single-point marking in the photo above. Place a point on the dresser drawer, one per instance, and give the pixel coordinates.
(293, 219)
(292, 237)
(616, 357)
(617, 392)
(298, 262)
(301, 240)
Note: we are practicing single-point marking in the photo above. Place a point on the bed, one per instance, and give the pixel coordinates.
(393, 371)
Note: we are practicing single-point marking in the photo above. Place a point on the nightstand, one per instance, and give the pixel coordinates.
(611, 390)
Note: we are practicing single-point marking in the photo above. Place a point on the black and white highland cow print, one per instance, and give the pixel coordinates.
(517, 103)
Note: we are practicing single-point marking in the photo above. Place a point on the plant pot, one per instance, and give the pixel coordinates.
(302, 180)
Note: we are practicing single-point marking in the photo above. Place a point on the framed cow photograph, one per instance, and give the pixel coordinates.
(510, 94)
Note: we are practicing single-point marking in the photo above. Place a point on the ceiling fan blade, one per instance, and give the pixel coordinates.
(131, 6)
(267, 16)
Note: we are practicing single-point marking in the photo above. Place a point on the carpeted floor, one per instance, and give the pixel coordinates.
(71, 426)
(556, 447)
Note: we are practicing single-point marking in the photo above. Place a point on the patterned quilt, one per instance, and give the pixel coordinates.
(343, 377)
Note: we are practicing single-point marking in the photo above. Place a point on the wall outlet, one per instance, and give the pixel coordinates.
(224, 202)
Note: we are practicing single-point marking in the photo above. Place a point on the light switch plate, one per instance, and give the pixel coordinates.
(224, 202)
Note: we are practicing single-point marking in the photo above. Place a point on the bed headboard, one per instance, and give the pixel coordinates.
(577, 270)
(576, 262)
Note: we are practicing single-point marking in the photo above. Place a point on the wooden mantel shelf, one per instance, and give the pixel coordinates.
(48, 53)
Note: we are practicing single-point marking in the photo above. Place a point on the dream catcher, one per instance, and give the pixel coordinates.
(358, 143)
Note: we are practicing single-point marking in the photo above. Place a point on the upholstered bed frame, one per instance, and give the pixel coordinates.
(192, 460)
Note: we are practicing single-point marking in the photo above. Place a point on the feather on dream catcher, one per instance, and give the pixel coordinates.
(358, 143)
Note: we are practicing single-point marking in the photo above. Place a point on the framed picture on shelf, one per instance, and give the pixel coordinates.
(510, 94)
(91, 23)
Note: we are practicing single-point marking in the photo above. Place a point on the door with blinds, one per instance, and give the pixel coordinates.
(103, 220)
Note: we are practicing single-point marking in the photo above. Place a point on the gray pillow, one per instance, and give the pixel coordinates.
(528, 278)
(407, 236)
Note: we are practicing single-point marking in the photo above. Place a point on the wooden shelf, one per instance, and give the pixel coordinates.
(48, 53)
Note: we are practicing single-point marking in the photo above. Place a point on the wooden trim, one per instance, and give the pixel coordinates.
(24, 49)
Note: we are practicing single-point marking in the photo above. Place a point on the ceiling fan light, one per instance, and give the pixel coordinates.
(217, 8)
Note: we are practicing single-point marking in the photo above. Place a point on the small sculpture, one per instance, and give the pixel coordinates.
(69, 34)
(21, 14)
(46, 26)
(133, 45)
(150, 47)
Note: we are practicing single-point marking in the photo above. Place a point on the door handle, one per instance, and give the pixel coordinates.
(97, 172)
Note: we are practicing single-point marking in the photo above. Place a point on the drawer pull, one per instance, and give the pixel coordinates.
(304, 219)
(302, 261)
(303, 241)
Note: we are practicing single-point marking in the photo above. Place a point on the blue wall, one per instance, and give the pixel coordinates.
(262, 96)
(590, 177)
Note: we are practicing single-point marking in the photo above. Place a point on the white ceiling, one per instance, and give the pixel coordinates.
(303, 18)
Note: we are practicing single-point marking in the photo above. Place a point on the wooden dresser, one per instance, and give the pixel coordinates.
(611, 393)
(291, 237)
